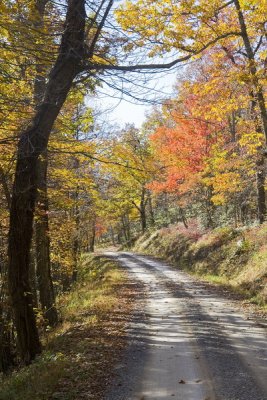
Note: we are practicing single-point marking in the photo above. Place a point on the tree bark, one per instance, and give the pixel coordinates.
(142, 210)
(257, 87)
(4, 183)
(42, 240)
(92, 238)
(43, 264)
(76, 239)
(32, 143)
(260, 165)
(259, 98)
(151, 211)
(261, 190)
(112, 236)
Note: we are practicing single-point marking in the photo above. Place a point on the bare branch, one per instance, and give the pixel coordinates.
(158, 66)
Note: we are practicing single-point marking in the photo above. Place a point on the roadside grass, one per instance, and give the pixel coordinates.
(79, 353)
(233, 258)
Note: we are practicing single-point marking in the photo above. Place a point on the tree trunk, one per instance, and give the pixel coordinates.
(183, 217)
(6, 354)
(76, 240)
(258, 94)
(257, 87)
(43, 264)
(92, 238)
(42, 240)
(261, 190)
(32, 143)
(32, 279)
(260, 165)
(125, 228)
(142, 210)
(128, 226)
(4, 183)
(151, 211)
(143, 218)
(112, 236)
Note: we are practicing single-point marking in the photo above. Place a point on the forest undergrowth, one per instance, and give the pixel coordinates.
(232, 257)
(78, 355)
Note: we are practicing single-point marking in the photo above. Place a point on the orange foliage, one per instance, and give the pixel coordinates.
(182, 149)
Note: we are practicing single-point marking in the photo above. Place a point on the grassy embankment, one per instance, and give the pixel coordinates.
(236, 258)
(78, 355)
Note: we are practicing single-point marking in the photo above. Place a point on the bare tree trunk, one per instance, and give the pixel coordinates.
(125, 227)
(6, 354)
(43, 264)
(76, 240)
(261, 190)
(128, 225)
(112, 236)
(32, 143)
(257, 87)
(4, 183)
(142, 210)
(143, 218)
(92, 238)
(151, 211)
(260, 165)
(258, 94)
(183, 217)
(42, 240)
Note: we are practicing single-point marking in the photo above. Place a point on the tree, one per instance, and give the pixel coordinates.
(32, 143)
(42, 239)
(90, 47)
(193, 27)
(131, 167)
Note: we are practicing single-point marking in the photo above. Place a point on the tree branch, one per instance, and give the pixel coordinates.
(138, 67)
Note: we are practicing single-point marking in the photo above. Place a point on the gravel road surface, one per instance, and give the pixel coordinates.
(188, 342)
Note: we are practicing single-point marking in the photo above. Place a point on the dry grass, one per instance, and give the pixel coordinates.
(78, 353)
(226, 256)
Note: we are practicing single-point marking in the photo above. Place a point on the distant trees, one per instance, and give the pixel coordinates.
(129, 169)
(65, 188)
(234, 31)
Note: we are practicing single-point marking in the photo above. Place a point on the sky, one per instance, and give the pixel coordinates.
(114, 108)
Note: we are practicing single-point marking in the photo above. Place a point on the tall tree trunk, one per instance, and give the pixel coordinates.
(260, 165)
(183, 217)
(257, 87)
(32, 143)
(42, 240)
(143, 218)
(92, 238)
(125, 227)
(32, 278)
(6, 354)
(76, 240)
(151, 211)
(258, 95)
(128, 226)
(142, 210)
(43, 264)
(261, 189)
(112, 236)
(4, 183)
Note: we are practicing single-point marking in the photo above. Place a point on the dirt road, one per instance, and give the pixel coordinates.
(189, 343)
